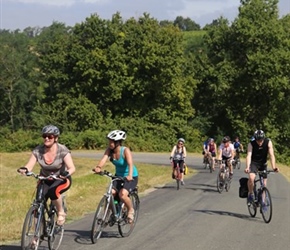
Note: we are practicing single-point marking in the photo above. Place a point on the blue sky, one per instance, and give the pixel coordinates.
(20, 14)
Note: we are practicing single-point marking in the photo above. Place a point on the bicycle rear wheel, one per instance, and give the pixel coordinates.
(266, 205)
(31, 237)
(125, 228)
(220, 182)
(99, 220)
(56, 232)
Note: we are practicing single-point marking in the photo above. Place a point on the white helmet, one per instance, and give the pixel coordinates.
(117, 135)
(181, 139)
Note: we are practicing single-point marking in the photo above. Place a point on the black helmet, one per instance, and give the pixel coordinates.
(259, 135)
(226, 139)
(50, 129)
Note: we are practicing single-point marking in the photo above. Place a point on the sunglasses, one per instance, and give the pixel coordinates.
(48, 136)
(180, 143)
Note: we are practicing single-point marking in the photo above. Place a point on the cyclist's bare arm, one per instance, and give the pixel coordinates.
(70, 166)
(249, 157)
(103, 161)
(272, 156)
(29, 165)
(129, 159)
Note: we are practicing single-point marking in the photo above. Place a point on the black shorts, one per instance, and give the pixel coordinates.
(255, 167)
(181, 165)
(128, 185)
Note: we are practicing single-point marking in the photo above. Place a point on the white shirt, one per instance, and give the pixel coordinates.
(227, 151)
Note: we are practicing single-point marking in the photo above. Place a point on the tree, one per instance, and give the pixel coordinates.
(186, 24)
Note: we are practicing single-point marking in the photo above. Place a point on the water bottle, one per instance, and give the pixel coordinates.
(116, 203)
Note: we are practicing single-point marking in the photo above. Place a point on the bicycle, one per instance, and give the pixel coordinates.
(237, 161)
(111, 211)
(177, 174)
(41, 220)
(206, 163)
(262, 198)
(223, 177)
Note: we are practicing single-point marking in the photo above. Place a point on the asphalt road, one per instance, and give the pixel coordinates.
(195, 217)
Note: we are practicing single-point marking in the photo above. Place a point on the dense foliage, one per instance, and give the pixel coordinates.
(157, 80)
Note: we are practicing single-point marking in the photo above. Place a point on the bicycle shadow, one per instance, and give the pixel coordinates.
(83, 236)
(227, 213)
(15, 247)
(10, 247)
(204, 187)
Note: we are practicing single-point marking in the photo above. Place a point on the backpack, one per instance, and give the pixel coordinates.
(243, 189)
(185, 170)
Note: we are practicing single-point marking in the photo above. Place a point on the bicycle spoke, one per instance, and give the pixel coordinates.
(266, 205)
(99, 220)
(124, 226)
(55, 234)
(30, 234)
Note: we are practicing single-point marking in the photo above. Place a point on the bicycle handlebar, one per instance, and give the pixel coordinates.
(112, 176)
(266, 171)
(41, 177)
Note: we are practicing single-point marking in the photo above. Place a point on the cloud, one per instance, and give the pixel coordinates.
(199, 8)
(59, 3)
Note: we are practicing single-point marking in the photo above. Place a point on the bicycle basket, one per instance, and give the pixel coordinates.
(243, 189)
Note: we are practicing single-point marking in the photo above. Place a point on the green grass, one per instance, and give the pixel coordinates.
(17, 192)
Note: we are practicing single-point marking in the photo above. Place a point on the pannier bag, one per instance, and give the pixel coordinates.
(243, 189)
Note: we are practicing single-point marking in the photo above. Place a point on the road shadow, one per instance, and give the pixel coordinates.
(15, 247)
(84, 237)
(227, 213)
(204, 187)
(10, 247)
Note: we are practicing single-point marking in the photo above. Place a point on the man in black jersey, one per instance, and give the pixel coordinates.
(258, 151)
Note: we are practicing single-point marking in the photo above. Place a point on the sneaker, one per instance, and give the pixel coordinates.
(231, 175)
(250, 199)
(182, 183)
(264, 208)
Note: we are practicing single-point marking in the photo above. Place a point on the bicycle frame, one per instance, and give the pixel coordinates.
(43, 224)
(262, 198)
(223, 177)
(119, 211)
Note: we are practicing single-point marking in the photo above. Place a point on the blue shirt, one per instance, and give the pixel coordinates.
(122, 167)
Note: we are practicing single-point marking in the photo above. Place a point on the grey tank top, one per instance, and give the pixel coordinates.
(57, 166)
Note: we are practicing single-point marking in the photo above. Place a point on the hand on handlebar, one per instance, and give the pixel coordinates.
(22, 170)
(276, 170)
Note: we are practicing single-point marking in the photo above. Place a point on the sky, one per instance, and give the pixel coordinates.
(20, 14)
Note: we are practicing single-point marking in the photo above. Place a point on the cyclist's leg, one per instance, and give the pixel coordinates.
(213, 156)
(124, 196)
(181, 166)
(54, 193)
(174, 168)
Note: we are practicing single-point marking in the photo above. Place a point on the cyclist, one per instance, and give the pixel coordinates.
(53, 158)
(211, 150)
(257, 153)
(227, 153)
(121, 157)
(238, 147)
(178, 155)
(204, 149)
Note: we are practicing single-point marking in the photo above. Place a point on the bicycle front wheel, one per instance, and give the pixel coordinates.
(125, 228)
(56, 233)
(220, 182)
(266, 205)
(99, 220)
(252, 208)
(31, 236)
